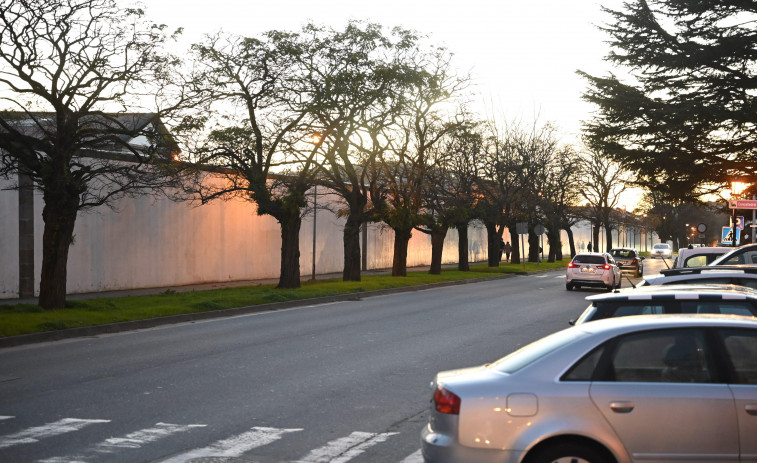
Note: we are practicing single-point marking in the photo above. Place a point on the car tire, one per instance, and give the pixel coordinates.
(567, 452)
(569, 286)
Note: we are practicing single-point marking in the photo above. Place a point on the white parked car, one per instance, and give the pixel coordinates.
(596, 269)
(661, 250)
(698, 256)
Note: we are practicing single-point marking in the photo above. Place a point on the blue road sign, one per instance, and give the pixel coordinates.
(739, 222)
(727, 236)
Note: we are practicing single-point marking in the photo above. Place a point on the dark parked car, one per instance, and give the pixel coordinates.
(629, 260)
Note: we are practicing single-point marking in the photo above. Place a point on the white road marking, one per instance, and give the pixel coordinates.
(6, 417)
(234, 446)
(31, 435)
(346, 448)
(416, 457)
(132, 440)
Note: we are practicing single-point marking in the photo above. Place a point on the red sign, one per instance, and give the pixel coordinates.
(742, 204)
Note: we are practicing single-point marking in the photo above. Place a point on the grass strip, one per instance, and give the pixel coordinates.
(16, 319)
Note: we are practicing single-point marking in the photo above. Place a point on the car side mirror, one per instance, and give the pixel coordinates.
(572, 322)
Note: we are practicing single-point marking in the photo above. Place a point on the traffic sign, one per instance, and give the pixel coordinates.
(727, 235)
(739, 222)
(742, 204)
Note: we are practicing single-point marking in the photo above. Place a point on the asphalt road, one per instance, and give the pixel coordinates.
(331, 383)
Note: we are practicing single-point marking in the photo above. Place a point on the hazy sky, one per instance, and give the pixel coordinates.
(523, 54)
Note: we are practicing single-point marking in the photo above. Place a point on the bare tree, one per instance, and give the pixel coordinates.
(420, 127)
(259, 140)
(72, 73)
(604, 181)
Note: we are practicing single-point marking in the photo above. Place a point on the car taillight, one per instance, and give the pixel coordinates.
(634, 262)
(572, 265)
(606, 266)
(446, 402)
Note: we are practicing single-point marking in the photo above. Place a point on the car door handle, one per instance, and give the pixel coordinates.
(751, 409)
(622, 407)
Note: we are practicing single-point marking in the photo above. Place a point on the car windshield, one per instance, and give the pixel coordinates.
(661, 246)
(740, 256)
(622, 253)
(589, 260)
(536, 350)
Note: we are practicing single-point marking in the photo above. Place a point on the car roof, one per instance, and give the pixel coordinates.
(682, 291)
(643, 322)
(710, 270)
(702, 250)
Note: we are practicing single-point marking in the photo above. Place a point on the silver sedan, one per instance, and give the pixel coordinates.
(644, 388)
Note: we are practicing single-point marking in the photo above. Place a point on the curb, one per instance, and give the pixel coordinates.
(90, 331)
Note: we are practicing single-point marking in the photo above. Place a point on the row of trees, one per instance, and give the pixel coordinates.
(377, 116)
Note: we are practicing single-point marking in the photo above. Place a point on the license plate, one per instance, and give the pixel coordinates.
(589, 270)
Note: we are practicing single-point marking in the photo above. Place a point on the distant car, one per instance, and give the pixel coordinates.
(672, 299)
(592, 269)
(744, 255)
(666, 388)
(741, 275)
(698, 256)
(628, 260)
(661, 250)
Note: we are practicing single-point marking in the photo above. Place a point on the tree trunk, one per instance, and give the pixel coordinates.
(438, 234)
(462, 247)
(290, 252)
(608, 235)
(533, 246)
(571, 242)
(596, 236)
(351, 236)
(553, 237)
(515, 245)
(494, 250)
(401, 240)
(59, 215)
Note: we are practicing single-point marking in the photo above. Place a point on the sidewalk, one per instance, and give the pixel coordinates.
(206, 286)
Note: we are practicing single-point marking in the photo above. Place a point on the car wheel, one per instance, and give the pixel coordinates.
(569, 286)
(567, 452)
(639, 272)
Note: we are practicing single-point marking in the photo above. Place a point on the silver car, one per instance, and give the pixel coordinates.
(662, 250)
(742, 275)
(645, 388)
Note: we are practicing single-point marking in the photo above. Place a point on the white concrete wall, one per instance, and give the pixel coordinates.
(8, 240)
(148, 242)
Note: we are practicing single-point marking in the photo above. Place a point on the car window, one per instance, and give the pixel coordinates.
(628, 308)
(704, 281)
(583, 370)
(746, 257)
(697, 261)
(623, 253)
(741, 346)
(744, 308)
(599, 260)
(661, 246)
(666, 356)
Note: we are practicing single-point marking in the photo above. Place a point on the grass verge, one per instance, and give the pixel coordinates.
(25, 318)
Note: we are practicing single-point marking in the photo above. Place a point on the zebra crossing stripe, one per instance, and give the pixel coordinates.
(346, 448)
(6, 417)
(132, 440)
(234, 446)
(31, 435)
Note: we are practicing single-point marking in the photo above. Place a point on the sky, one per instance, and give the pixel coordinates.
(522, 54)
